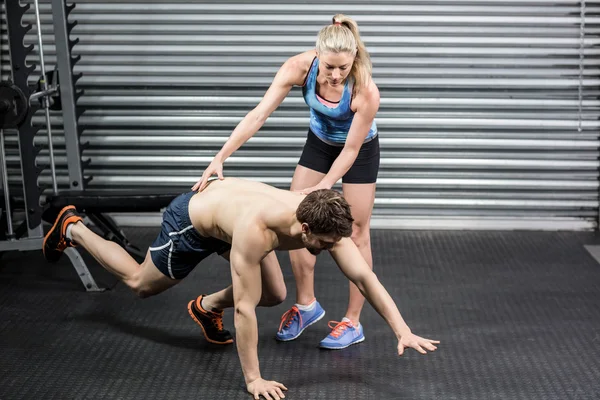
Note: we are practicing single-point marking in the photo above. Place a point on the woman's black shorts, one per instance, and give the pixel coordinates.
(319, 156)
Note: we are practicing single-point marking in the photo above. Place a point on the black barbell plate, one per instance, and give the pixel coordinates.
(14, 100)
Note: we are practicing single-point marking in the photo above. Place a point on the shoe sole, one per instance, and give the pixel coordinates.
(300, 333)
(202, 327)
(362, 339)
(58, 218)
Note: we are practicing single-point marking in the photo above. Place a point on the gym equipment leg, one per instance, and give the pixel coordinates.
(7, 210)
(84, 274)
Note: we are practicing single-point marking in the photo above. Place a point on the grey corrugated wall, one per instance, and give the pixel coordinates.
(488, 118)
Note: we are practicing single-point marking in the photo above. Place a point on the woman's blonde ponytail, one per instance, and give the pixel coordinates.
(342, 36)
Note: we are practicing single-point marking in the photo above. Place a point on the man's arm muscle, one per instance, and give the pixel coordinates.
(354, 266)
(249, 246)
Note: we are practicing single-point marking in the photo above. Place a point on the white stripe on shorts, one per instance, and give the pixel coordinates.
(170, 243)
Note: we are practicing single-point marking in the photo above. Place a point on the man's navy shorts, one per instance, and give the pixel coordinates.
(178, 248)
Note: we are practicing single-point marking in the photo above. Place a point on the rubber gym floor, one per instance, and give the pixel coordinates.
(517, 314)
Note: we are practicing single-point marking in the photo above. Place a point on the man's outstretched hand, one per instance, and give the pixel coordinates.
(270, 390)
(416, 342)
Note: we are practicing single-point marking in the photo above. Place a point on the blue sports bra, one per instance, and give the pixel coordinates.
(330, 123)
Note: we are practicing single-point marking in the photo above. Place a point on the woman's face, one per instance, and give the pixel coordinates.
(335, 67)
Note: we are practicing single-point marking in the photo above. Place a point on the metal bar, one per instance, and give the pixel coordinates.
(45, 100)
(65, 72)
(84, 274)
(22, 244)
(7, 209)
(27, 132)
(581, 72)
(43, 93)
(36, 232)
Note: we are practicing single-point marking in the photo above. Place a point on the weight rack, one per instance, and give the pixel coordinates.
(32, 189)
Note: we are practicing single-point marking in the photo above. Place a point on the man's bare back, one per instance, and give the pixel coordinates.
(225, 204)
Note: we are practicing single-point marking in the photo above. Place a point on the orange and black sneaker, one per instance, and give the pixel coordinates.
(211, 322)
(56, 240)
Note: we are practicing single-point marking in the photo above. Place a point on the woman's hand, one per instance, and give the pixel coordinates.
(320, 186)
(215, 167)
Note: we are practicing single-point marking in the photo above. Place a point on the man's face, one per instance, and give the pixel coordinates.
(317, 243)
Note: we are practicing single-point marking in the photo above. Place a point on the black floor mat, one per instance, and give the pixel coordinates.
(517, 313)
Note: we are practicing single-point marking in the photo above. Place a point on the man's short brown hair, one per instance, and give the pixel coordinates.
(326, 212)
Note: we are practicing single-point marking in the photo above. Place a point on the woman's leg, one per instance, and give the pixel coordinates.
(303, 263)
(306, 311)
(361, 198)
(358, 186)
(348, 331)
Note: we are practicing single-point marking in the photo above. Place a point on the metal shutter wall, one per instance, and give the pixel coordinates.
(488, 118)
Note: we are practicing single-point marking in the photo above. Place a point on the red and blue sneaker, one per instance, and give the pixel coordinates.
(343, 334)
(295, 321)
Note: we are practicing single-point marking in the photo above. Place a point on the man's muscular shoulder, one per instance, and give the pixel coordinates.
(252, 239)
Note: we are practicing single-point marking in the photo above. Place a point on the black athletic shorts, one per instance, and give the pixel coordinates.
(178, 248)
(319, 156)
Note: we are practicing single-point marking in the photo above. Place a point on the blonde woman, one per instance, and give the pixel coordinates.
(342, 143)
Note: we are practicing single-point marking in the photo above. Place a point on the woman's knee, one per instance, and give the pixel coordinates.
(361, 234)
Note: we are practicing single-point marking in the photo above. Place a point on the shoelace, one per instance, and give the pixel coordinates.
(339, 327)
(216, 318)
(62, 244)
(218, 322)
(288, 317)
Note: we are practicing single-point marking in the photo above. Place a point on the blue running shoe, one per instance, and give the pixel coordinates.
(295, 321)
(343, 334)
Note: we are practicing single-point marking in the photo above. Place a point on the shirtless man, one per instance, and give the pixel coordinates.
(244, 221)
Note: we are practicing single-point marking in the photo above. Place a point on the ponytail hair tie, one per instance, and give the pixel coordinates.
(338, 23)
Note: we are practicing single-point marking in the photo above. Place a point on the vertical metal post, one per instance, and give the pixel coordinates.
(582, 21)
(7, 209)
(27, 150)
(46, 102)
(63, 60)
(581, 63)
